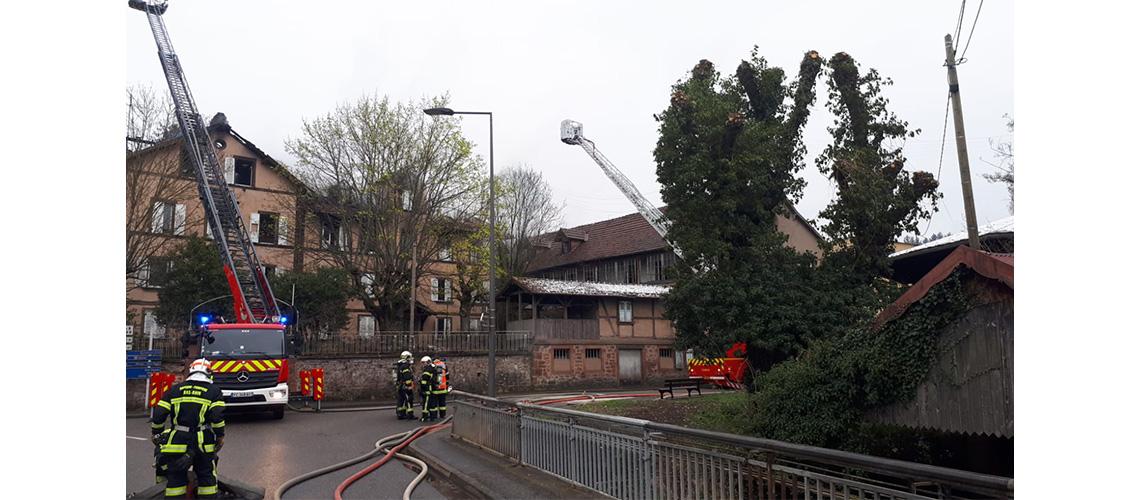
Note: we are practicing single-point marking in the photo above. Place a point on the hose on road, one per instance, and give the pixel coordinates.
(280, 491)
(407, 492)
(335, 410)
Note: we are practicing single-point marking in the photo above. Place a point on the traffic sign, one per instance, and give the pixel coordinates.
(142, 363)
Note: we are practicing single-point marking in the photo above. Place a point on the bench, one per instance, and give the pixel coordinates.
(689, 384)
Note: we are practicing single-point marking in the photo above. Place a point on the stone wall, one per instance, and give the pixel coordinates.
(546, 374)
(370, 378)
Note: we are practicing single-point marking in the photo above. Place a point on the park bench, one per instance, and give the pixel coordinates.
(689, 384)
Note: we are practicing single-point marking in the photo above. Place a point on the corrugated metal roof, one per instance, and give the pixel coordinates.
(544, 286)
(991, 265)
(996, 227)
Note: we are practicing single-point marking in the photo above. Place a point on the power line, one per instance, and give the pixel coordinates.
(961, 14)
(941, 153)
(962, 57)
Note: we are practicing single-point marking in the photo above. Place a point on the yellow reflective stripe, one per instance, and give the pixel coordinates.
(218, 425)
(208, 448)
(207, 490)
(218, 403)
(256, 363)
(164, 404)
(174, 492)
(191, 399)
(173, 448)
(226, 366)
(159, 425)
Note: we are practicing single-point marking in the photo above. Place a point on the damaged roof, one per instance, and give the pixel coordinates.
(542, 286)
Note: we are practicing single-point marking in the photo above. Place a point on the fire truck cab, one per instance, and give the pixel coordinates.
(250, 364)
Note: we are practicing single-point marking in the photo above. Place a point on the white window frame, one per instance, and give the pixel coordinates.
(366, 326)
(440, 284)
(446, 324)
(368, 281)
(625, 311)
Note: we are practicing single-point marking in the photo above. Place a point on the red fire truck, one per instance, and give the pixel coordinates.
(727, 372)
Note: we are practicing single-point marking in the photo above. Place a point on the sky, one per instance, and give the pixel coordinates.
(609, 65)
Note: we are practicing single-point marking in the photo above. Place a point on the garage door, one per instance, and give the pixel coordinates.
(629, 366)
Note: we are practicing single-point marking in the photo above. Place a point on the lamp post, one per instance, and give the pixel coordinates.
(490, 243)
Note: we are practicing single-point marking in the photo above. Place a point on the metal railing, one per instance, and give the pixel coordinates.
(394, 342)
(170, 345)
(632, 459)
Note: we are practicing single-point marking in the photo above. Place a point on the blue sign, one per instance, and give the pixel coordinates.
(140, 364)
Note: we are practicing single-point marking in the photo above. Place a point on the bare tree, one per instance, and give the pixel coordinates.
(391, 187)
(159, 189)
(526, 209)
(1003, 152)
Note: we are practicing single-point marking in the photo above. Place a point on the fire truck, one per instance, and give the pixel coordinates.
(248, 355)
(728, 371)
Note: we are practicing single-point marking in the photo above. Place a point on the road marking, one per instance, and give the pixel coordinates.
(138, 438)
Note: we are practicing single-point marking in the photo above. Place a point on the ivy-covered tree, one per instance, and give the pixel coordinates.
(877, 201)
(195, 276)
(727, 159)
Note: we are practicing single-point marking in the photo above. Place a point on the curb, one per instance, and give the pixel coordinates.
(440, 468)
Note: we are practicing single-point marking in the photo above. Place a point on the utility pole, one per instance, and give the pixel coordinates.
(963, 156)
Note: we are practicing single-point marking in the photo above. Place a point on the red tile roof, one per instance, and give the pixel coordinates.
(625, 235)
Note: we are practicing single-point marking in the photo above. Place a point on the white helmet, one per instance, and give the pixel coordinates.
(406, 355)
(425, 359)
(200, 365)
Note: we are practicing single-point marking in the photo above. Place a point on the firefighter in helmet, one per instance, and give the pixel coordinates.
(196, 433)
(405, 387)
(440, 388)
(427, 377)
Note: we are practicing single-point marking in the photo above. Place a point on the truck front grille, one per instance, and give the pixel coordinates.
(256, 380)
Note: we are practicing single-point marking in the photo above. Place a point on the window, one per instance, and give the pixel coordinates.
(270, 270)
(406, 200)
(332, 234)
(566, 247)
(593, 362)
(239, 171)
(366, 326)
(666, 359)
(473, 324)
(443, 325)
(368, 282)
(151, 328)
(266, 227)
(168, 218)
(445, 254)
(441, 290)
(154, 272)
(625, 311)
(562, 360)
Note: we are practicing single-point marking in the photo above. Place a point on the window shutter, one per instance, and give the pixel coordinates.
(156, 217)
(143, 274)
(282, 230)
(179, 218)
(341, 239)
(229, 170)
(254, 225)
(447, 290)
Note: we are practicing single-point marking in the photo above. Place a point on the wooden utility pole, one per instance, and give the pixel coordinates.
(963, 156)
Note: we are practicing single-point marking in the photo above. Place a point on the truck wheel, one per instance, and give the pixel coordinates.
(278, 412)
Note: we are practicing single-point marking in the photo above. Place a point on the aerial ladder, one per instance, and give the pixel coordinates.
(572, 134)
(252, 297)
(727, 371)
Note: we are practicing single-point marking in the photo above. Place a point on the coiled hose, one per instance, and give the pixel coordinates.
(379, 447)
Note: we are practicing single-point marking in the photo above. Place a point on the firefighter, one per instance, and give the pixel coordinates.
(426, 379)
(440, 388)
(405, 387)
(196, 432)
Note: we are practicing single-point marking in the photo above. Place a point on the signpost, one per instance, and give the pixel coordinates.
(140, 364)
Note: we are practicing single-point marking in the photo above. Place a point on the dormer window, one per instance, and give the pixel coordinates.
(566, 246)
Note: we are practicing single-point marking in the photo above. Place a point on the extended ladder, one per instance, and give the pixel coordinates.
(253, 300)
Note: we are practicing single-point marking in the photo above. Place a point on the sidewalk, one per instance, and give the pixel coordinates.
(482, 474)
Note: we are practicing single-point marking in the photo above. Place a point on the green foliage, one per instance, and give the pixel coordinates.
(820, 398)
(195, 277)
(320, 297)
(727, 159)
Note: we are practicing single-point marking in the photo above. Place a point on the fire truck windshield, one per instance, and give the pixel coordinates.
(238, 342)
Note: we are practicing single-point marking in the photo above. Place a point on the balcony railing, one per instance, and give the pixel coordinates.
(559, 329)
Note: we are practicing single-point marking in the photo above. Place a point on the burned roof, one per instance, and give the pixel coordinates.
(542, 286)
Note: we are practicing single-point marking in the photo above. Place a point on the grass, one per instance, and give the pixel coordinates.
(716, 411)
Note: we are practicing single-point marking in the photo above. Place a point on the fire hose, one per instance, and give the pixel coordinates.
(381, 446)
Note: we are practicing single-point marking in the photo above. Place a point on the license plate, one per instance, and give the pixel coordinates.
(240, 394)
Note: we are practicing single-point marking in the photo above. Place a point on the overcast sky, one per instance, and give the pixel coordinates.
(609, 65)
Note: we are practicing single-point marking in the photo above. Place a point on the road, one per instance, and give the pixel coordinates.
(267, 452)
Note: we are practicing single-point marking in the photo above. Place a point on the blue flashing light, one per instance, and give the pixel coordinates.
(284, 320)
(203, 319)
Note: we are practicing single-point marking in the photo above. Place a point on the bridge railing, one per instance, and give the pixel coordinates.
(633, 459)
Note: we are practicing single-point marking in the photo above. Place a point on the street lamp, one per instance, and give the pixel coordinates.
(490, 243)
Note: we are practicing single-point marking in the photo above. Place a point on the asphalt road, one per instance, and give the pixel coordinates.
(267, 452)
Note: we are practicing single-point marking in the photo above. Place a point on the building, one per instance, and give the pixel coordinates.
(911, 264)
(163, 209)
(593, 301)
